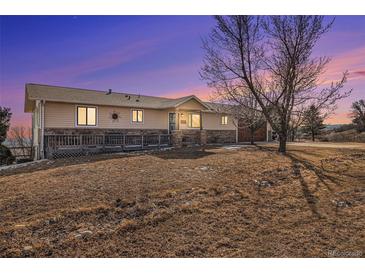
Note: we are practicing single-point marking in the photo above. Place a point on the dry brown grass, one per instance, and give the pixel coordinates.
(188, 203)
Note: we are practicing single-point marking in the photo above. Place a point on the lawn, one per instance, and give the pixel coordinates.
(222, 202)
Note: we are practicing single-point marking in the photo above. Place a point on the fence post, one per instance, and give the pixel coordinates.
(123, 144)
(142, 141)
(81, 148)
(159, 141)
(103, 142)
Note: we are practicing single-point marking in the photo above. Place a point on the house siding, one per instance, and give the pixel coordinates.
(62, 115)
(59, 115)
(211, 121)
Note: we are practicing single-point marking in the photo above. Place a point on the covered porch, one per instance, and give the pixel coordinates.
(186, 123)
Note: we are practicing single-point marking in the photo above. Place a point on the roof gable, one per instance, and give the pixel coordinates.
(192, 103)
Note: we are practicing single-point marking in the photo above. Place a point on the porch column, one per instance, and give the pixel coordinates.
(42, 102)
(201, 120)
(177, 120)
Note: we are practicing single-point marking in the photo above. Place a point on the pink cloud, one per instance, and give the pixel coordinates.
(339, 118)
(361, 72)
(352, 61)
(21, 120)
(202, 92)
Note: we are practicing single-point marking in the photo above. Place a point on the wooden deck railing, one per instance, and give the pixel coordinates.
(73, 145)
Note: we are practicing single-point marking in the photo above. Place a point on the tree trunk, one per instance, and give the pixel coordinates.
(282, 144)
(252, 137)
(312, 136)
(293, 135)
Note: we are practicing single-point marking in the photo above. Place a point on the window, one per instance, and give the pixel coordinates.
(194, 120)
(137, 116)
(86, 116)
(224, 120)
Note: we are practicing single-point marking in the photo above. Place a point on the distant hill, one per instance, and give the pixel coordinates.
(333, 127)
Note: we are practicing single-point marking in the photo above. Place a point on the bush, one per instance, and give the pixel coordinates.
(344, 136)
(6, 157)
(345, 127)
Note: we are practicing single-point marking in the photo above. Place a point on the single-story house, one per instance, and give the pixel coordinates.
(64, 111)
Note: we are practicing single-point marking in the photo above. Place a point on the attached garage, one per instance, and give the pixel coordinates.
(244, 134)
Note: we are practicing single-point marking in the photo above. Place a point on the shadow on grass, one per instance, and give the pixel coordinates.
(184, 153)
(298, 165)
(308, 195)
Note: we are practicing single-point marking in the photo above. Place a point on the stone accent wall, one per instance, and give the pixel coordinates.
(203, 137)
(77, 131)
(184, 137)
(221, 136)
(190, 136)
(176, 138)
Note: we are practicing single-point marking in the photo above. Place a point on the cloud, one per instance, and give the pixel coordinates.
(150, 81)
(119, 55)
(21, 120)
(361, 72)
(352, 61)
(339, 118)
(203, 92)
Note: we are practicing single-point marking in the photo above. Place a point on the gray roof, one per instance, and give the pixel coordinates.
(86, 96)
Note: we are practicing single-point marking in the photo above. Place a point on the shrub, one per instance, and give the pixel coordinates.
(6, 157)
(345, 127)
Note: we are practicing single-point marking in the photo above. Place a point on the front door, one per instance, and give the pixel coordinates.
(172, 121)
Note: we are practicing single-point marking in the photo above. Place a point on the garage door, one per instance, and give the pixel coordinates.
(244, 134)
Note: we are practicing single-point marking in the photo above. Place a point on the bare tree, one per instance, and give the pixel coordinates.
(294, 124)
(250, 118)
(246, 114)
(21, 139)
(270, 58)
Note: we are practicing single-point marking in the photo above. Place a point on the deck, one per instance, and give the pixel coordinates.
(60, 146)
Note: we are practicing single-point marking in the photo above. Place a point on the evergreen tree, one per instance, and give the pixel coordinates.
(358, 114)
(5, 116)
(313, 121)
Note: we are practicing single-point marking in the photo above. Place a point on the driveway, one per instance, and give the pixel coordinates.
(329, 145)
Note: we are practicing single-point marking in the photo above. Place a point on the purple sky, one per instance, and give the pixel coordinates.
(152, 55)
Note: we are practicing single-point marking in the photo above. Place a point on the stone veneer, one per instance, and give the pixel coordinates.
(221, 136)
(192, 137)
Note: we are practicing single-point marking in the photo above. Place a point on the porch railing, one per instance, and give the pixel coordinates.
(57, 146)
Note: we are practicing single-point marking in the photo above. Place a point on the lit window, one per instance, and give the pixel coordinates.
(137, 116)
(224, 120)
(91, 116)
(194, 120)
(86, 116)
